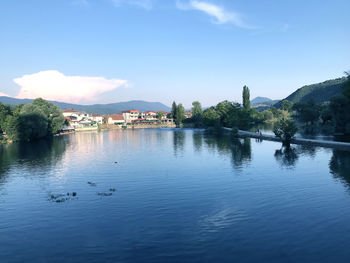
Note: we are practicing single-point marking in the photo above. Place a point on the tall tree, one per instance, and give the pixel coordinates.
(346, 86)
(180, 114)
(4, 112)
(197, 112)
(173, 110)
(246, 98)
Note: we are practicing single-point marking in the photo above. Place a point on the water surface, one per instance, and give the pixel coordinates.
(167, 195)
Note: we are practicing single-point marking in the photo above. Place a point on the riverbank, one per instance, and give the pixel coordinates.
(309, 142)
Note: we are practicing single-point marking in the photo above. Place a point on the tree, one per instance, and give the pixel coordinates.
(267, 115)
(180, 114)
(285, 129)
(309, 112)
(340, 108)
(211, 118)
(346, 86)
(4, 112)
(246, 98)
(286, 105)
(160, 115)
(53, 113)
(173, 110)
(34, 120)
(197, 113)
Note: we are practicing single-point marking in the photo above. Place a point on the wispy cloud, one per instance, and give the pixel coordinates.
(218, 13)
(146, 4)
(53, 85)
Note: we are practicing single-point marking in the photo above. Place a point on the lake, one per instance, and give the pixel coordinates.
(172, 195)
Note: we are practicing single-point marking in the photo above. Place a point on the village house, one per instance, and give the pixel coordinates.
(130, 115)
(79, 120)
(97, 118)
(117, 119)
(150, 115)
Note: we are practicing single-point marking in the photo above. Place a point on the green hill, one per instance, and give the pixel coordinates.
(319, 93)
(98, 108)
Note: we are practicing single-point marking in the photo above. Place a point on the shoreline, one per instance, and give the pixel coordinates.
(299, 141)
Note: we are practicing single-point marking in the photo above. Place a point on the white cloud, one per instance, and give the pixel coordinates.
(53, 85)
(3, 94)
(218, 13)
(146, 4)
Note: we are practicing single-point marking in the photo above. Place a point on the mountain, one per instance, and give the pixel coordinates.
(319, 93)
(260, 100)
(98, 108)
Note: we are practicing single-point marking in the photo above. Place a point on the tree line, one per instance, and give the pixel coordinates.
(330, 117)
(227, 114)
(30, 121)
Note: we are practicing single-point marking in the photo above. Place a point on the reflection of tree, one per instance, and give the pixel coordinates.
(287, 156)
(339, 166)
(178, 140)
(239, 149)
(34, 154)
(197, 138)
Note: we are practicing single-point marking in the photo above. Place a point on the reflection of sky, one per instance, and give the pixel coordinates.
(221, 219)
(173, 202)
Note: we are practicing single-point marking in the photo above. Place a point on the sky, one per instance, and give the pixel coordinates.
(104, 51)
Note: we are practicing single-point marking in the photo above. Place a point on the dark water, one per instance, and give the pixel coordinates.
(172, 196)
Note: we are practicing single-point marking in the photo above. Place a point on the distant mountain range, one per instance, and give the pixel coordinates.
(263, 100)
(319, 93)
(98, 108)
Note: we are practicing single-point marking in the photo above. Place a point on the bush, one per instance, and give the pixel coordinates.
(285, 129)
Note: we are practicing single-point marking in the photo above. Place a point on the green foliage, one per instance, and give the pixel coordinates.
(52, 112)
(160, 115)
(211, 117)
(246, 98)
(32, 126)
(346, 86)
(308, 113)
(197, 113)
(340, 111)
(33, 121)
(286, 105)
(319, 93)
(267, 115)
(173, 110)
(4, 112)
(180, 114)
(285, 129)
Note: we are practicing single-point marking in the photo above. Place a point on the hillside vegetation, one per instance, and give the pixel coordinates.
(318, 93)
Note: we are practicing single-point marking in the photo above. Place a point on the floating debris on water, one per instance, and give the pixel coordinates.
(104, 194)
(112, 189)
(60, 198)
(91, 183)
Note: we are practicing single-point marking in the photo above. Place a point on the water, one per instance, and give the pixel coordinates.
(180, 196)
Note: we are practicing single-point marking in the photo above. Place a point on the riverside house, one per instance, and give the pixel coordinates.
(130, 116)
(80, 121)
(117, 119)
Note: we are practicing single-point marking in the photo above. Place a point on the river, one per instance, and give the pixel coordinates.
(172, 195)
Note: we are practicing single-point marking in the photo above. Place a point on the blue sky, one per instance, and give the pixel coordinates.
(100, 51)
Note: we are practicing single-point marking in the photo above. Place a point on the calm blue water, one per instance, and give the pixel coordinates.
(168, 195)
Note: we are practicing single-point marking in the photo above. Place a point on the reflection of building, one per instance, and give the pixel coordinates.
(117, 119)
